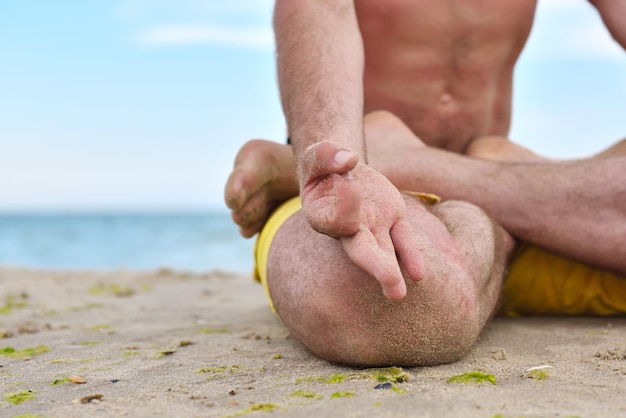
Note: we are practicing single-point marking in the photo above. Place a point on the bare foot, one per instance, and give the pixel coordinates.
(263, 177)
(387, 140)
(499, 148)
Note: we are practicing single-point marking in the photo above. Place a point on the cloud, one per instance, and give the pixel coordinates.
(171, 23)
(197, 34)
(150, 9)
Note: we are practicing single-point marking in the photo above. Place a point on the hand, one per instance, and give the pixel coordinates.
(348, 200)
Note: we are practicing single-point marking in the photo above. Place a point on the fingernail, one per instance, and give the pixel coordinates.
(342, 156)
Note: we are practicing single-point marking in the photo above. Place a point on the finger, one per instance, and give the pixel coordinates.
(333, 210)
(332, 205)
(324, 158)
(402, 236)
(347, 206)
(364, 251)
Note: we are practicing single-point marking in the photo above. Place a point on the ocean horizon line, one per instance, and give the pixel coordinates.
(130, 210)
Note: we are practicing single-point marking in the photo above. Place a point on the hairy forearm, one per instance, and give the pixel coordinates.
(576, 209)
(320, 72)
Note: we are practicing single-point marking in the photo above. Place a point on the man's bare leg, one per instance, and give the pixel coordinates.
(339, 312)
(616, 150)
(501, 149)
(265, 173)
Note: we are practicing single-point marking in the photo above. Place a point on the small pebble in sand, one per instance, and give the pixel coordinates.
(91, 398)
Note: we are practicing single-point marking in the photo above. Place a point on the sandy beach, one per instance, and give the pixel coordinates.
(176, 344)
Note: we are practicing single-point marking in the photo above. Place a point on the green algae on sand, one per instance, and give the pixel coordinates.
(336, 395)
(60, 381)
(473, 377)
(25, 352)
(19, 397)
(257, 407)
(390, 374)
(113, 289)
(305, 394)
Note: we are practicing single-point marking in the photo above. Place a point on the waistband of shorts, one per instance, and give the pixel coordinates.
(265, 238)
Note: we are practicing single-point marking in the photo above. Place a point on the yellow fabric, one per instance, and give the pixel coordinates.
(265, 238)
(537, 283)
(541, 283)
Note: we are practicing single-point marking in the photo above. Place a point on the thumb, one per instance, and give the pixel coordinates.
(324, 158)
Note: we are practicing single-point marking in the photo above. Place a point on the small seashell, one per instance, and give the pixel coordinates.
(537, 372)
(545, 366)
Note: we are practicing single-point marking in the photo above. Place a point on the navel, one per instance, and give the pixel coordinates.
(445, 99)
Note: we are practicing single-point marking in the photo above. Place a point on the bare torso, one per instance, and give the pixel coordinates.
(444, 66)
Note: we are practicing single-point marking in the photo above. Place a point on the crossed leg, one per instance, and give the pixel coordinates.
(338, 311)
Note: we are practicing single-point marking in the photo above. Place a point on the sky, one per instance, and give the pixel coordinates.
(143, 104)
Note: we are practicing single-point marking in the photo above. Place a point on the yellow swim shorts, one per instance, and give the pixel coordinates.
(541, 283)
(265, 238)
(537, 283)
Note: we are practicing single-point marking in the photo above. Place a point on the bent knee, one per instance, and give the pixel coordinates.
(369, 330)
(340, 314)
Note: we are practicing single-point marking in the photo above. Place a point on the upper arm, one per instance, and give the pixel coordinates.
(613, 14)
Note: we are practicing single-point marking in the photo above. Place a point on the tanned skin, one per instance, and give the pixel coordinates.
(445, 69)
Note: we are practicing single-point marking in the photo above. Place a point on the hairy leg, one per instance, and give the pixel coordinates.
(265, 173)
(389, 140)
(338, 311)
(501, 149)
(386, 138)
(616, 150)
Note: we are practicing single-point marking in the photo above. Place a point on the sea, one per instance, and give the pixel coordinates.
(190, 241)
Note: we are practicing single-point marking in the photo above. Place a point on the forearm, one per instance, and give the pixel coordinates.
(576, 209)
(320, 72)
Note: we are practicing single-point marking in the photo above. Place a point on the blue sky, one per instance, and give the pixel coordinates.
(143, 104)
